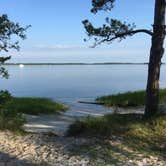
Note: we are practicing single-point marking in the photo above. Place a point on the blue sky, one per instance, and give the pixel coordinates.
(57, 33)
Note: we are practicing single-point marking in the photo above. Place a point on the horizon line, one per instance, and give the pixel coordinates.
(102, 63)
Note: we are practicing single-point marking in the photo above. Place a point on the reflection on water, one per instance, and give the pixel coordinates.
(74, 82)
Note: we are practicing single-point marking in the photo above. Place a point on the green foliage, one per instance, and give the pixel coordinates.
(112, 29)
(34, 106)
(7, 30)
(3, 72)
(104, 126)
(99, 125)
(8, 33)
(138, 134)
(11, 120)
(129, 99)
(5, 96)
(109, 31)
(12, 109)
(102, 5)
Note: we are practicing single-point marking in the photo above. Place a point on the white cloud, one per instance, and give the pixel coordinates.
(59, 46)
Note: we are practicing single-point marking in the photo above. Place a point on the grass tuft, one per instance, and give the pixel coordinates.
(12, 110)
(129, 99)
(34, 106)
(11, 120)
(137, 133)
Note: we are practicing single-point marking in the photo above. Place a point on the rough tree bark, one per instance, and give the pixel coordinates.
(156, 53)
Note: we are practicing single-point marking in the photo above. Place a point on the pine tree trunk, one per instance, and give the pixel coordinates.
(156, 53)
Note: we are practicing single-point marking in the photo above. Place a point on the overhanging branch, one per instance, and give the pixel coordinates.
(3, 59)
(118, 35)
(123, 35)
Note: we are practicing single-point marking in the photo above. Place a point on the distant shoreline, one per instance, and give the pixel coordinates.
(106, 63)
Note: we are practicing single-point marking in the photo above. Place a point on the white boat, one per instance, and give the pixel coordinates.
(21, 65)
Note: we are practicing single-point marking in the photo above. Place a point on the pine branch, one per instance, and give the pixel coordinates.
(122, 35)
(3, 59)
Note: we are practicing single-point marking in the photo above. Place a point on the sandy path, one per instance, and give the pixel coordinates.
(58, 124)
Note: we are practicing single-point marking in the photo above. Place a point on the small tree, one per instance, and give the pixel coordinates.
(8, 32)
(114, 29)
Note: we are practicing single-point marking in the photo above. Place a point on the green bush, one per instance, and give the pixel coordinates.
(5, 96)
(11, 120)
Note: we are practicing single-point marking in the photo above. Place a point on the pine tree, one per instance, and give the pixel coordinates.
(114, 29)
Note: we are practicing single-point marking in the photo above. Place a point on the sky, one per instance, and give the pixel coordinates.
(57, 33)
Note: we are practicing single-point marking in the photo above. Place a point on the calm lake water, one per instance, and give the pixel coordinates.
(75, 82)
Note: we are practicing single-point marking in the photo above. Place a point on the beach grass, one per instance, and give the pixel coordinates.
(13, 109)
(136, 134)
(11, 120)
(34, 106)
(129, 99)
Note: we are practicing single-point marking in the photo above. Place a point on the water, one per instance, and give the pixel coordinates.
(76, 82)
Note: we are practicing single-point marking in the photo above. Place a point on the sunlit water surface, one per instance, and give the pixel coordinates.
(70, 83)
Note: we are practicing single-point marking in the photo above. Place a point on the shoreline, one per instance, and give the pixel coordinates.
(106, 63)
